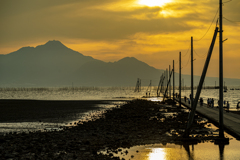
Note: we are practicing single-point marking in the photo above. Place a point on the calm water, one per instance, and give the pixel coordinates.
(78, 93)
(233, 96)
(106, 93)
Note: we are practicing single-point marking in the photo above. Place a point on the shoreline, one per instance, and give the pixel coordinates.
(137, 122)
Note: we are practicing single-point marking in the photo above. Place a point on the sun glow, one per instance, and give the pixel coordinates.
(152, 3)
(157, 153)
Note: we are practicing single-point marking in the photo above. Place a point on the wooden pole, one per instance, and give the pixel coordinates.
(204, 72)
(139, 84)
(170, 82)
(166, 81)
(173, 81)
(158, 90)
(192, 72)
(180, 79)
(162, 83)
(183, 84)
(221, 133)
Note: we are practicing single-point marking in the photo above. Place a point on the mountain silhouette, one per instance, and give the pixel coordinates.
(54, 64)
(121, 73)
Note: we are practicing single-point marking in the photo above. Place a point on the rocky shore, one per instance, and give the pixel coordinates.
(138, 122)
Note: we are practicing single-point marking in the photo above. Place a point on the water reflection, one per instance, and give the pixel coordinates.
(172, 152)
(155, 99)
(157, 153)
(221, 151)
(186, 151)
(190, 153)
(186, 147)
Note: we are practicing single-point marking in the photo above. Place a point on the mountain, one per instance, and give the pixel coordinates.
(121, 73)
(42, 65)
(53, 64)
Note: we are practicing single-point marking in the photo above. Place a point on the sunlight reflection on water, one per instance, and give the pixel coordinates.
(106, 93)
(200, 151)
(78, 93)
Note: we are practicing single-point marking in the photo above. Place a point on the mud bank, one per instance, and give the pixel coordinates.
(138, 122)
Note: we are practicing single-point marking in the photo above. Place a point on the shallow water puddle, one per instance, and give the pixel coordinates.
(169, 151)
(200, 151)
(155, 99)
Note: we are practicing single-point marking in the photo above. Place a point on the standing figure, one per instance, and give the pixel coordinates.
(238, 105)
(228, 106)
(201, 101)
(212, 103)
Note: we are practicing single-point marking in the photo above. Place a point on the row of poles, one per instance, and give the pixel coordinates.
(165, 80)
(164, 85)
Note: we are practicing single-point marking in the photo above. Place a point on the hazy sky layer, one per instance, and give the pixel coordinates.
(153, 31)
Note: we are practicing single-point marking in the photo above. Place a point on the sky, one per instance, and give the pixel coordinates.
(153, 31)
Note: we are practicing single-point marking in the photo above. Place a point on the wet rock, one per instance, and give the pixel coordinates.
(121, 127)
(9, 156)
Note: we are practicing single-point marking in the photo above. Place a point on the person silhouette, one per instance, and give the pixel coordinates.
(228, 106)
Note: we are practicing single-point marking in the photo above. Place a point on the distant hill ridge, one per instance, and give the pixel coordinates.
(54, 64)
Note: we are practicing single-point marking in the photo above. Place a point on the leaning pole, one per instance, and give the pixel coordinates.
(204, 72)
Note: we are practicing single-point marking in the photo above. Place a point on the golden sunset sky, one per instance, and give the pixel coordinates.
(153, 31)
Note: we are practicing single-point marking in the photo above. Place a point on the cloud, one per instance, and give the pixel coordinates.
(80, 19)
(110, 30)
(98, 20)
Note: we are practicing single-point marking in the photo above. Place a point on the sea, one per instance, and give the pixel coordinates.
(70, 93)
(232, 95)
(114, 95)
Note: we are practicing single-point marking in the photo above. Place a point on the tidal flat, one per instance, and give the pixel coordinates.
(113, 134)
